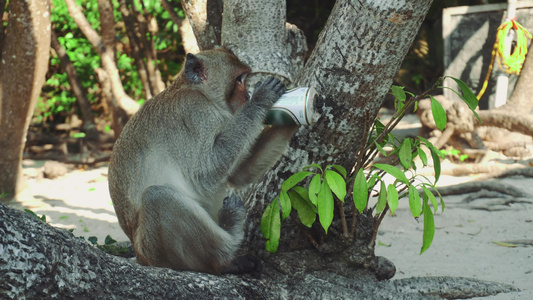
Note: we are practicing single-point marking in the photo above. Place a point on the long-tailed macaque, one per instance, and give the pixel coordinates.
(181, 154)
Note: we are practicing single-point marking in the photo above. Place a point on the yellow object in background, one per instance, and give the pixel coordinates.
(510, 63)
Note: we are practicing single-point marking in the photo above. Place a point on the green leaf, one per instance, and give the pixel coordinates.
(414, 201)
(339, 169)
(431, 197)
(336, 183)
(436, 162)
(423, 156)
(271, 226)
(78, 135)
(399, 96)
(405, 154)
(93, 240)
(380, 149)
(468, 96)
(325, 206)
(397, 173)
(429, 228)
(305, 195)
(439, 114)
(31, 212)
(379, 126)
(294, 180)
(383, 244)
(285, 203)
(109, 240)
(360, 191)
(382, 198)
(372, 181)
(314, 189)
(392, 198)
(504, 244)
(305, 210)
(435, 155)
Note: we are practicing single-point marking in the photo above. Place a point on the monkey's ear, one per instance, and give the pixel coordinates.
(195, 69)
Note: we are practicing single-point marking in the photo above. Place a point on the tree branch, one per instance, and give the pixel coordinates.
(108, 62)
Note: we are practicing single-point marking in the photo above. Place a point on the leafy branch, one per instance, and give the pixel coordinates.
(316, 190)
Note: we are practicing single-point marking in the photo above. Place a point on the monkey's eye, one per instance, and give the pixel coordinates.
(241, 78)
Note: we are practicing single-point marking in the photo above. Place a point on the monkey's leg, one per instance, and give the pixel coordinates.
(231, 217)
(176, 232)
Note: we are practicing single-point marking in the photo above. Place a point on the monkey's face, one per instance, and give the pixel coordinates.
(219, 74)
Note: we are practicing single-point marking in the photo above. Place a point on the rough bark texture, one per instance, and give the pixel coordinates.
(258, 36)
(38, 261)
(205, 17)
(352, 70)
(24, 61)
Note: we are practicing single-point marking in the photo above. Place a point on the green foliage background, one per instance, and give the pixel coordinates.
(57, 100)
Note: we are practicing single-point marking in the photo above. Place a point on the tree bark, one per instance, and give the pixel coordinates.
(89, 127)
(352, 78)
(24, 61)
(205, 17)
(38, 261)
(108, 61)
(352, 70)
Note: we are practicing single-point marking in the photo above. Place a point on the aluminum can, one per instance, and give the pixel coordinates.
(295, 107)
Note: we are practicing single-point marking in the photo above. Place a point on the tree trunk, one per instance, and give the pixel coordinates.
(89, 127)
(188, 39)
(24, 61)
(352, 70)
(108, 61)
(352, 77)
(205, 17)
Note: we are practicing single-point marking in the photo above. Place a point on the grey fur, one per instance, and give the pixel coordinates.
(171, 167)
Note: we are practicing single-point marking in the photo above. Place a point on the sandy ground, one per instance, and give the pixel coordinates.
(463, 244)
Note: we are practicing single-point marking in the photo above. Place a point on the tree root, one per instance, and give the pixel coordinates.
(492, 185)
(491, 170)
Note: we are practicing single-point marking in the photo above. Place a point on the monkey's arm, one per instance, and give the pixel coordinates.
(236, 136)
(268, 148)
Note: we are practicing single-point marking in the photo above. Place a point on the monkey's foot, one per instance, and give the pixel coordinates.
(246, 264)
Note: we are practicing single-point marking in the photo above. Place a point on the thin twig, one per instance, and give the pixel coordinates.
(343, 217)
(354, 221)
(376, 226)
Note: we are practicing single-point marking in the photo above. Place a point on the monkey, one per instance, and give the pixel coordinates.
(178, 158)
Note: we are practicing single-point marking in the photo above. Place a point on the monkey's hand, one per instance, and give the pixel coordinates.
(268, 92)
